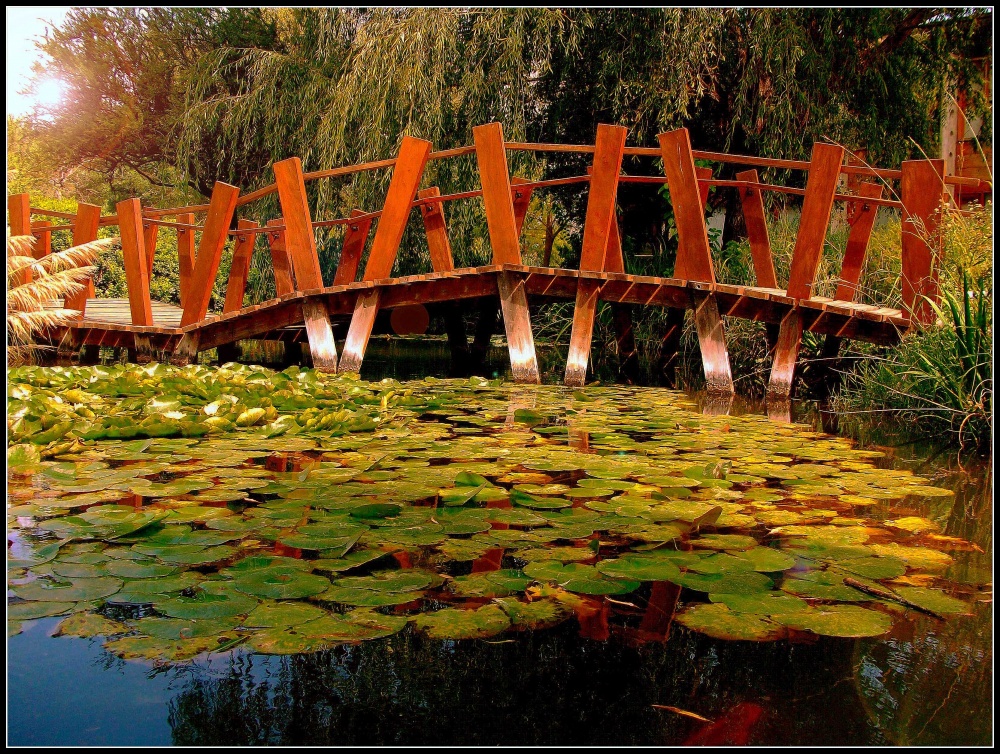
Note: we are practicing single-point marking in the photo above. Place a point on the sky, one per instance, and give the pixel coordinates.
(24, 25)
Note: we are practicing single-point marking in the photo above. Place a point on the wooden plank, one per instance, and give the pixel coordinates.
(702, 174)
(756, 223)
(299, 237)
(185, 256)
(922, 190)
(355, 237)
(437, 231)
(497, 200)
(43, 239)
(362, 321)
(785, 355)
(239, 271)
(521, 200)
(712, 340)
(517, 322)
(815, 218)
(213, 239)
(134, 257)
(322, 348)
(584, 312)
(862, 218)
(150, 234)
(88, 218)
(284, 275)
(19, 220)
(406, 175)
(597, 232)
(694, 255)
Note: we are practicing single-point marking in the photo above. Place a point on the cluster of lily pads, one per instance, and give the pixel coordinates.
(178, 511)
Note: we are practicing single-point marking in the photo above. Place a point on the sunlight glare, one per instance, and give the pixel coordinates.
(49, 93)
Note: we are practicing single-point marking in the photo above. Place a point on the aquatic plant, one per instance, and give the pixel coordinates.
(179, 511)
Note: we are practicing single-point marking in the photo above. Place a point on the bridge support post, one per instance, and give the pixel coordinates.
(406, 175)
(752, 201)
(824, 170)
(236, 285)
(69, 348)
(504, 240)
(186, 350)
(350, 253)
(608, 152)
(322, 348)
(694, 256)
(281, 262)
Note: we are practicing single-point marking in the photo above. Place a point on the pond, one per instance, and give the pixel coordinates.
(236, 555)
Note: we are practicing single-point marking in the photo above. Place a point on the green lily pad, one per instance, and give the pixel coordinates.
(847, 621)
(534, 615)
(206, 606)
(281, 583)
(934, 600)
(282, 614)
(767, 559)
(166, 650)
(70, 590)
(761, 603)
(746, 582)
(640, 568)
(582, 579)
(490, 584)
(22, 611)
(179, 628)
(451, 623)
(720, 622)
(86, 625)
(823, 585)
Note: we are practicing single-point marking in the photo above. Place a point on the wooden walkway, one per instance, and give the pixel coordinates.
(307, 311)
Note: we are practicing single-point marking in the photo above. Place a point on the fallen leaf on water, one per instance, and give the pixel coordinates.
(684, 712)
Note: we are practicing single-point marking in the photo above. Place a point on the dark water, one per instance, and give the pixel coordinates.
(929, 681)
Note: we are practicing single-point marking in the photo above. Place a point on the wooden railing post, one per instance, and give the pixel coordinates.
(355, 237)
(439, 246)
(694, 255)
(134, 258)
(281, 261)
(504, 239)
(185, 256)
(213, 240)
(43, 239)
(301, 244)
(239, 270)
(88, 219)
(755, 219)
(521, 201)
(150, 234)
(19, 210)
(608, 152)
(824, 170)
(861, 216)
(923, 193)
(406, 175)
(221, 207)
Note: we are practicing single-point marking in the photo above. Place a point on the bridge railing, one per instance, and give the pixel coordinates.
(923, 191)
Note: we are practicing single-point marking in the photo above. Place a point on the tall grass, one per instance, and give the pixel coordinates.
(32, 304)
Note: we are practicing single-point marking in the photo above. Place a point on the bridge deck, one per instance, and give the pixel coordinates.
(108, 321)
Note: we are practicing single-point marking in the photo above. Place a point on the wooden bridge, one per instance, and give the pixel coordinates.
(307, 310)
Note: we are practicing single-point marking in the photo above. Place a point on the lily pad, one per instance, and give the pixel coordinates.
(452, 623)
(848, 621)
(70, 590)
(281, 583)
(720, 622)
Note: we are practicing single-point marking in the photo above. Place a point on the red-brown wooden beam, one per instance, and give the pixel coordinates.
(355, 237)
(504, 240)
(695, 255)
(19, 218)
(239, 270)
(88, 218)
(406, 175)
(597, 232)
(185, 256)
(923, 192)
(824, 171)
(134, 258)
(281, 261)
(213, 239)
